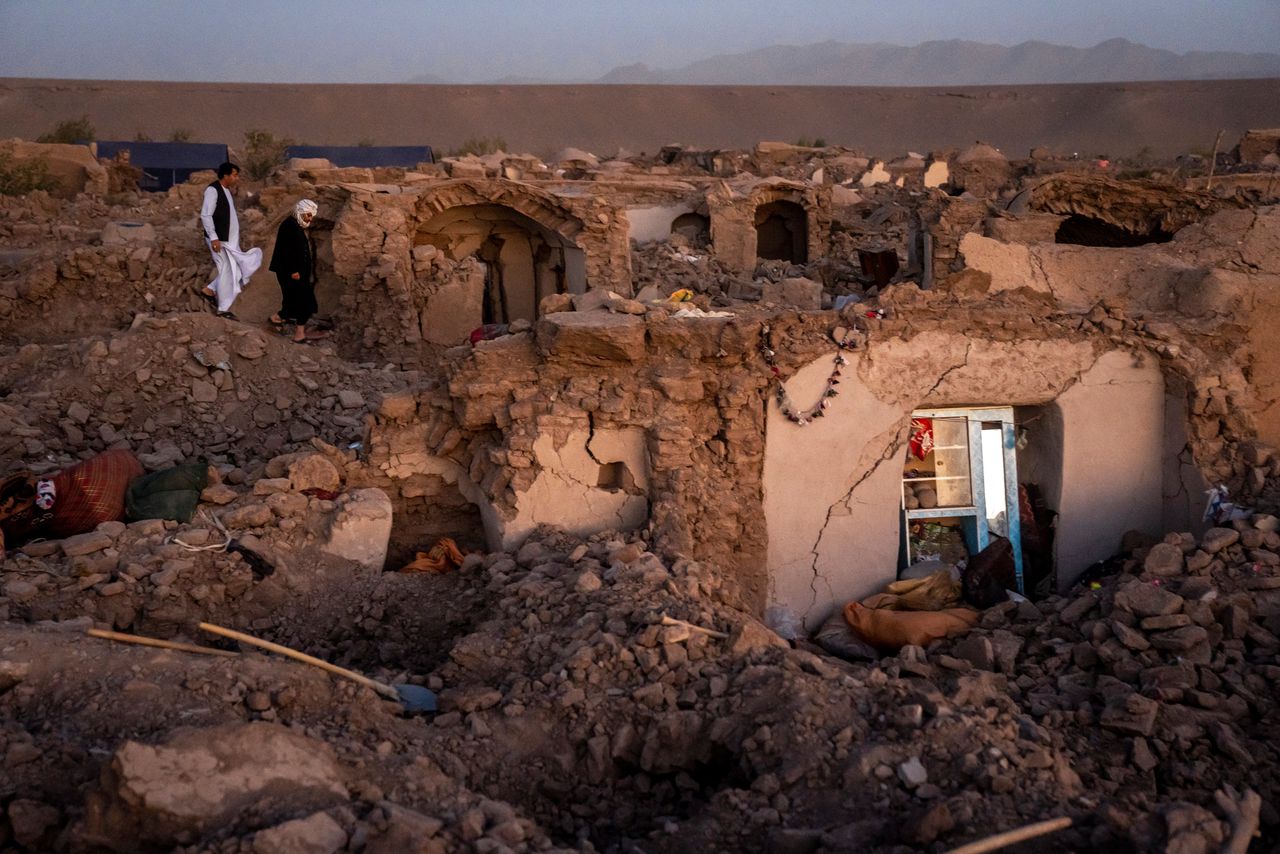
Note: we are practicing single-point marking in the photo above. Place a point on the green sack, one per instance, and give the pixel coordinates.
(168, 494)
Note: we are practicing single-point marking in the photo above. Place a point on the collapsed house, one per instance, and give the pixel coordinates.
(615, 377)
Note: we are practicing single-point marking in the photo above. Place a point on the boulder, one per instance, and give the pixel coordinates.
(162, 795)
(314, 471)
(315, 834)
(591, 338)
(361, 528)
(804, 294)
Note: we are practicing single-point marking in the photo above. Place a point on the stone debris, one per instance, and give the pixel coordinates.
(602, 451)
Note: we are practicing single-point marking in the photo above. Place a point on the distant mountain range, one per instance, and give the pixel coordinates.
(939, 63)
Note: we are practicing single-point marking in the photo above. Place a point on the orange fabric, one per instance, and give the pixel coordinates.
(444, 556)
(892, 630)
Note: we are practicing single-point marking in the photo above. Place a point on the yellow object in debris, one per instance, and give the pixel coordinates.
(682, 295)
(935, 592)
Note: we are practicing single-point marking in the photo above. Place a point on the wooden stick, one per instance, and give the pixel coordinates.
(163, 644)
(1009, 837)
(1213, 160)
(381, 687)
(672, 621)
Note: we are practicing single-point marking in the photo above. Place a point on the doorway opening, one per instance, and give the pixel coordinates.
(782, 232)
(960, 486)
(524, 260)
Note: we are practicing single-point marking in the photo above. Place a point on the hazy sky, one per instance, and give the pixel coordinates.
(337, 41)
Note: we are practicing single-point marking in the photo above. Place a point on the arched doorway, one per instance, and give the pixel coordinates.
(782, 232)
(693, 227)
(524, 260)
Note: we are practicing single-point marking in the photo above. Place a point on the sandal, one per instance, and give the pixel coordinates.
(227, 315)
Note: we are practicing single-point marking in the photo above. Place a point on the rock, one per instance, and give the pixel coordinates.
(31, 820)
(1133, 714)
(350, 399)
(249, 516)
(219, 493)
(84, 544)
(591, 338)
(1131, 638)
(314, 471)
(1164, 559)
(203, 392)
(153, 795)
(751, 636)
(361, 528)
(270, 485)
(406, 831)
(1179, 640)
(804, 294)
(912, 773)
(1148, 600)
(316, 834)
(12, 673)
(553, 303)
(403, 405)
(1142, 756)
(1217, 539)
(20, 591)
(926, 826)
(977, 650)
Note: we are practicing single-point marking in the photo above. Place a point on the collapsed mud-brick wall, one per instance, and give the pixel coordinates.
(742, 212)
(404, 256)
(570, 414)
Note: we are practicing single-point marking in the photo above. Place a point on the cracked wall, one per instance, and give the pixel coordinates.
(834, 533)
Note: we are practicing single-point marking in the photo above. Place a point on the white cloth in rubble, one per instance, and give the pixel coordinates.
(235, 266)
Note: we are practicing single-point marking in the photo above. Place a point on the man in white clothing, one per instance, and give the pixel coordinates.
(222, 233)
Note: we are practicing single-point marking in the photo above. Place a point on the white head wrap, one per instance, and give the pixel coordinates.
(305, 206)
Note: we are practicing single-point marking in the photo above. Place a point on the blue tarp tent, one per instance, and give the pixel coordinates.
(164, 164)
(368, 156)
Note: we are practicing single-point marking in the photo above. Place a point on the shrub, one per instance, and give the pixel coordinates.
(17, 178)
(480, 145)
(142, 136)
(72, 130)
(262, 153)
(180, 135)
(366, 142)
(806, 142)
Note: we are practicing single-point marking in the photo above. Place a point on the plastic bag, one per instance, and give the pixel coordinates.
(838, 638)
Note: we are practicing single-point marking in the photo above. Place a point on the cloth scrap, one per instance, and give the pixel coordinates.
(444, 556)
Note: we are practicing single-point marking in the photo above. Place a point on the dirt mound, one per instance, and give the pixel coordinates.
(594, 696)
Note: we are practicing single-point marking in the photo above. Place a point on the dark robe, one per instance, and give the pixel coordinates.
(295, 252)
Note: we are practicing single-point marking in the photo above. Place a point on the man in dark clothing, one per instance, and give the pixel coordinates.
(293, 262)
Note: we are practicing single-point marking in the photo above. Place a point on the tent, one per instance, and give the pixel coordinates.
(367, 156)
(164, 164)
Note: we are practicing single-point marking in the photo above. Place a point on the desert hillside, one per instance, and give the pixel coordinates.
(1117, 119)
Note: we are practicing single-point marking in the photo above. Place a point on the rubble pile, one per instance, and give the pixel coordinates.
(593, 695)
(621, 441)
(179, 386)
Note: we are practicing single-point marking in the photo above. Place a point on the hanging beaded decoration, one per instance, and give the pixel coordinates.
(845, 340)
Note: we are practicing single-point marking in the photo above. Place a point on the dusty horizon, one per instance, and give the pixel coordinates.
(1115, 118)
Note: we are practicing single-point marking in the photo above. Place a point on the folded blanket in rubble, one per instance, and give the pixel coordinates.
(74, 501)
(167, 494)
(892, 630)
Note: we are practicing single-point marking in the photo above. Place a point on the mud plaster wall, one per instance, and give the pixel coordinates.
(1099, 454)
(654, 223)
(831, 489)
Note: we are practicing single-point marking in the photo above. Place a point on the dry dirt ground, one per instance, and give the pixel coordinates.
(594, 695)
(1116, 119)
